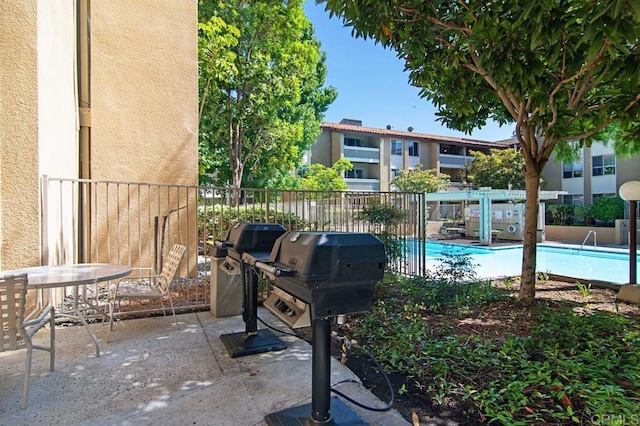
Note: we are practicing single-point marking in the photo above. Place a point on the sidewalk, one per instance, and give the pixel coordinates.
(153, 373)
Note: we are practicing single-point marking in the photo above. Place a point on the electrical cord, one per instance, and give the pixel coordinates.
(346, 345)
(281, 331)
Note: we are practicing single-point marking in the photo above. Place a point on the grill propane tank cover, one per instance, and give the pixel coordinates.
(334, 272)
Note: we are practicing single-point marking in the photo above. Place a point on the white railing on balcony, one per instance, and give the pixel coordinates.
(363, 184)
(361, 154)
(454, 161)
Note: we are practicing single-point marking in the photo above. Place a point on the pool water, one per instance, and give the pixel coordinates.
(611, 265)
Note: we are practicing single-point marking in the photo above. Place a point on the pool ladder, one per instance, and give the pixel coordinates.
(595, 239)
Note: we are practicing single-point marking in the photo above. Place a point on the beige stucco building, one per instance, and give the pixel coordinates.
(101, 89)
(596, 173)
(378, 154)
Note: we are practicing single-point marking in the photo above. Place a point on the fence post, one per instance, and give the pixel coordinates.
(44, 212)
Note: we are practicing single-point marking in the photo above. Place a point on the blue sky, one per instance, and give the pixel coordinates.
(372, 85)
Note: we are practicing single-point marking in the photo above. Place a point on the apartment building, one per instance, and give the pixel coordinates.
(596, 173)
(378, 154)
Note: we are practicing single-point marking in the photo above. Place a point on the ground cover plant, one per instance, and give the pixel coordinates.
(465, 349)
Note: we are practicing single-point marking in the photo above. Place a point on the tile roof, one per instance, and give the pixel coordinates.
(414, 135)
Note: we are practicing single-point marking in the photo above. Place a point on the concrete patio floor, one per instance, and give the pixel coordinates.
(154, 373)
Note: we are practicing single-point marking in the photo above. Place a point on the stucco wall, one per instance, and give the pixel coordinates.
(19, 230)
(144, 106)
(144, 89)
(576, 234)
(321, 149)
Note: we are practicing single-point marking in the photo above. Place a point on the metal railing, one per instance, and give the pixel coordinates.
(595, 239)
(136, 224)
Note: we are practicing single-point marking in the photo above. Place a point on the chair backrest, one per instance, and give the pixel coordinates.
(13, 294)
(170, 266)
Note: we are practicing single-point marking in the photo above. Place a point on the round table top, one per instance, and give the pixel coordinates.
(67, 275)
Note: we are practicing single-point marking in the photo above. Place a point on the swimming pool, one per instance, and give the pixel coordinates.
(601, 264)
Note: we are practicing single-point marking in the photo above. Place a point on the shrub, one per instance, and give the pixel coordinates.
(608, 209)
(384, 219)
(585, 214)
(216, 220)
(559, 214)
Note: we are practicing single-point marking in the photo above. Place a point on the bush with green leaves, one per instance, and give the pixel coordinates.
(384, 219)
(571, 368)
(586, 214)
(216, 220)
(608, 209)
(559, 214)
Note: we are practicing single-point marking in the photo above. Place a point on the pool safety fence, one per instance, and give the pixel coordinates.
(136, 224)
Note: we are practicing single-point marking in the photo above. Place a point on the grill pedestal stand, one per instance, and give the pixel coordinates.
(323, 409)
(251, 341)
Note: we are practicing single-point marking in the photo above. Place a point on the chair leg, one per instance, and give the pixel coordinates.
(111, 309)
(52, 358)
(175, 320)
(27, 374)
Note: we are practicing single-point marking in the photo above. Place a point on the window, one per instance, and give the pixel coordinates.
(575, 199)
(396, 147)
(413, 149)
(394, 173)
(352, 142)
(572, 170)
(603, 165)
(596, 197)
(450, 149)
(354, 174)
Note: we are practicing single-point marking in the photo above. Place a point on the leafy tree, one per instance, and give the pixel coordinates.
(261, 95)
(216, 63)
(501, 169)
(418, 180)
(318, 177)
(562, 71)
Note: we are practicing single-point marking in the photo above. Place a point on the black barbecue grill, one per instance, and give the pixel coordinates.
(248, 243)
(333, 273)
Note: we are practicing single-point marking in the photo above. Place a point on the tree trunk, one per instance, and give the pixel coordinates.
(528, 278)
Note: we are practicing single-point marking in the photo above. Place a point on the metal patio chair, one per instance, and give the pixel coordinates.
(148, 286)
(17, 330)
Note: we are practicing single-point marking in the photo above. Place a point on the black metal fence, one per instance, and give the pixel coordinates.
(136, 223)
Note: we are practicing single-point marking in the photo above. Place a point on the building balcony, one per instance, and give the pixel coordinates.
(454, 161)
(361, 154)
(363, 184)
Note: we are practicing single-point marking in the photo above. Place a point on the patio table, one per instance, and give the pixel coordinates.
(59, 276)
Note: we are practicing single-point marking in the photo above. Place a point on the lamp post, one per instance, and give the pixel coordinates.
(630, 191)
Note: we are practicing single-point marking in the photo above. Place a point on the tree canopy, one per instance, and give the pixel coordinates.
(561, 70)
(318, 177)
(500, 169)
(261, 96)
(418, 180)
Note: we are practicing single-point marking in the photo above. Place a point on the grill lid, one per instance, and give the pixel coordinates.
(330, 256)
(256, 237)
